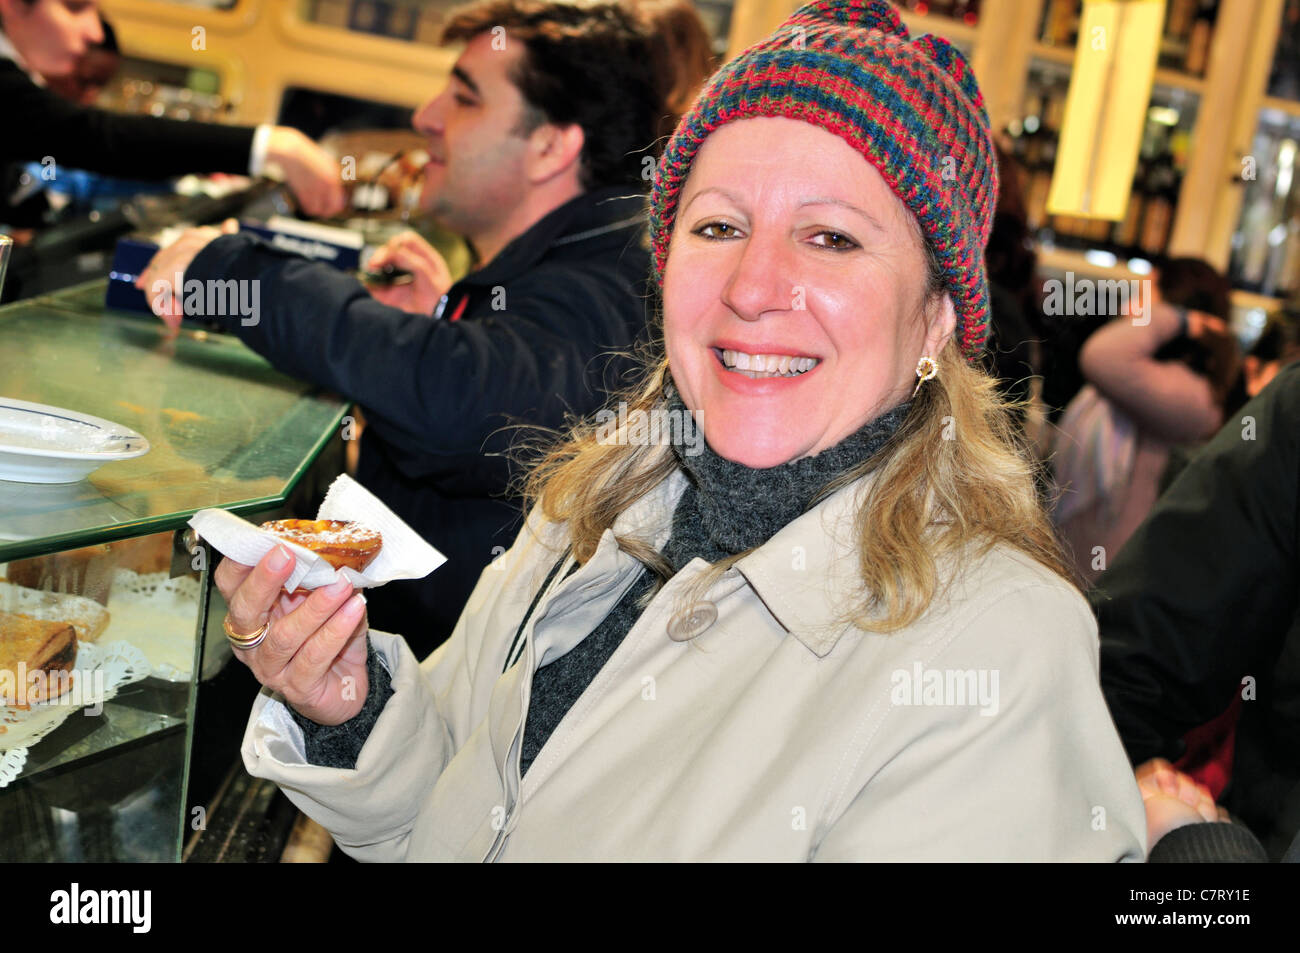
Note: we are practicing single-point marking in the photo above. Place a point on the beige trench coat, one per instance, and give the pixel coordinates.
(757, 727)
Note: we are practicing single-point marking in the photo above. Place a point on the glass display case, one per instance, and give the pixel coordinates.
(106, 568)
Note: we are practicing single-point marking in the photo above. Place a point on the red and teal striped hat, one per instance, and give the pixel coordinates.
(911, 107)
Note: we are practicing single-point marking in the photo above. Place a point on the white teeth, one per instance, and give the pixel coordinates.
(768, 365)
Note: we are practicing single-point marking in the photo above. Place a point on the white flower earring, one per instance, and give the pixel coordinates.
(926, 369)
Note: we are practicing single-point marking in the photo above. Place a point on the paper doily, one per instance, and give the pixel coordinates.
(100, 670)
(149, 609)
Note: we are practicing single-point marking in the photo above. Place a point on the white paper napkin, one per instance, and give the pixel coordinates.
(405, 554)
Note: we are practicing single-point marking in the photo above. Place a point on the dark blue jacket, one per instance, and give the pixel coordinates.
(534, 342)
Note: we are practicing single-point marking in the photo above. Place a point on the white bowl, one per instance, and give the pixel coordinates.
(44, 444)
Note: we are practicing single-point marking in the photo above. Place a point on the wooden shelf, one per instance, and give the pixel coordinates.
(1064, 56)
(954, 31)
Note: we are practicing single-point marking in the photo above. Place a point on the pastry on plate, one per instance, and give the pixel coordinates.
(32, 645)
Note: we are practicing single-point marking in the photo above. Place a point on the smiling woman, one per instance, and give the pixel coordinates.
(841, 631)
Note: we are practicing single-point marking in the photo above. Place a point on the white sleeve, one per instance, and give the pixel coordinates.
(370, 809)
(257, 154)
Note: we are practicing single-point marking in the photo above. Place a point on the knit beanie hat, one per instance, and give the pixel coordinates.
(909, 106)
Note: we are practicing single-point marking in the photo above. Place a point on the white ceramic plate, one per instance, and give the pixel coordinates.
(44, 444)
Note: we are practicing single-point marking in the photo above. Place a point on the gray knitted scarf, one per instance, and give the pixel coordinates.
(727, 508)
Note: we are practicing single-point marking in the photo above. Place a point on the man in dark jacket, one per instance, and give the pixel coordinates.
(45, 38)
(1203, 604)
(538, 145)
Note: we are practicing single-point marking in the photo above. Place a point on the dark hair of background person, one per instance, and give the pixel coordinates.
(592, 65)
(1054, 341)
(1013, 353)
(685, 58)
(1280, 339)
(110, 36)
(1278, 343)
(1196, 285)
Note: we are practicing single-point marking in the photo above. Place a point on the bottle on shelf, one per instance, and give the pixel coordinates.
(1288, 278)
(1179, 15)
(1198, 43)
(1061, 22)
(1158, 217)
(1250, 244)
(1124, 233)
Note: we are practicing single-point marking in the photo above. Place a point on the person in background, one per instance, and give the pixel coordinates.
(1277, 346)
(687, 54)
(1202, 608)
(42, 39)
(30, 200)
(537, 145)
(1156, 378)
(1184, 825)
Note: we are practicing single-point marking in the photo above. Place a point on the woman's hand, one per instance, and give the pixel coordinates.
(1172, 799)
(432, 277)
(315, 651)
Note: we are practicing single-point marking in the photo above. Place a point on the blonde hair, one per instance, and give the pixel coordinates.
(955, 479)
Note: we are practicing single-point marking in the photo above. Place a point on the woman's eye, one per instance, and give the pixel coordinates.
(465, 100)
(717, 230)
(835, 241)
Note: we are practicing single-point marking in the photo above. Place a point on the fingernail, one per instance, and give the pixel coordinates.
(355, 606)
(338, 587)
(280, 558)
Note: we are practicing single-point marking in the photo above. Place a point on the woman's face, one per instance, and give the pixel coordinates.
(789, 247)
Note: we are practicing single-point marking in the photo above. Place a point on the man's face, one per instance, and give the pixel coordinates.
(52, 35)
(476, 174)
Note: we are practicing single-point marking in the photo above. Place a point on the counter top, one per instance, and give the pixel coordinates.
(225, 429)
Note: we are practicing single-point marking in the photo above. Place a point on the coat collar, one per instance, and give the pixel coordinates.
(10, 52)
(807, 574)
(587, 218)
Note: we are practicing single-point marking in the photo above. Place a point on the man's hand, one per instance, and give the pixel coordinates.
(162, 281)
(1200, 324)
(314, 177)
(432, 278)
(1172, 799)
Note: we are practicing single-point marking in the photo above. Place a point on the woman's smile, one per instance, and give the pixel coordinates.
(764, 363)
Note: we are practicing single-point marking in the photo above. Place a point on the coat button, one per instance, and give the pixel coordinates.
(687, 625)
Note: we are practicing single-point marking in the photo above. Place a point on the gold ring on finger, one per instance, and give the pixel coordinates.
(245, 642)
